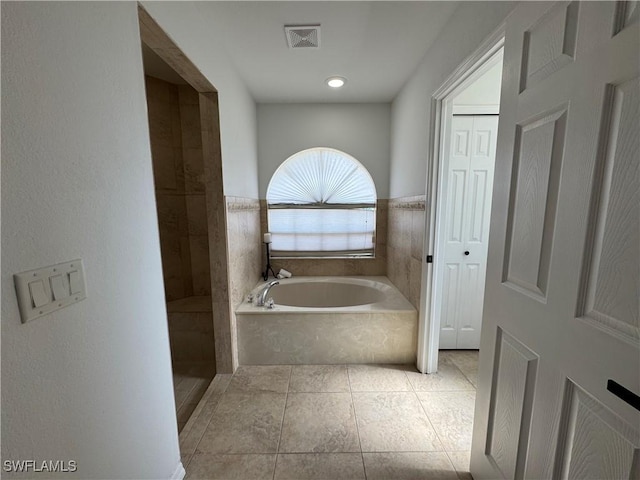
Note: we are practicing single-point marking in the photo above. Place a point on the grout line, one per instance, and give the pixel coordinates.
(431, 424)
(410, 384)
(275, 463)
(454, 467)
(284, 412)
(355, 419)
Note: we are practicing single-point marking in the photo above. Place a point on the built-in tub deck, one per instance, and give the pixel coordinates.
(382, 328)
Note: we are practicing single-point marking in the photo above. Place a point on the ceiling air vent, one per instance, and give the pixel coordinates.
(303, 36)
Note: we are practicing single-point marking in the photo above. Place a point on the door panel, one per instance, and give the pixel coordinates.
(469, 172)
(480, 196)
(457, 181)
(539, 145)
(470, 318)
(450, 304)
(613, 283)
(511, 401)
(595, 443)
(563, 276)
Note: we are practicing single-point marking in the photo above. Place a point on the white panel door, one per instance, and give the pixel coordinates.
(561, 322)
(461, 265)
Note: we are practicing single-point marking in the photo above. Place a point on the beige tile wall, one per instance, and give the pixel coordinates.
(336, 266)
(243, 244)
(194, 189)
(166, 149)
(191, 336)
(405, 245)
(176, 147)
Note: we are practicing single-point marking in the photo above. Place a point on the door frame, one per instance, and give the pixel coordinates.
(441, 107)
(154, 37)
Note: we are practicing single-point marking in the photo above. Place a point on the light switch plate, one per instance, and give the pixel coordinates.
(63, 285)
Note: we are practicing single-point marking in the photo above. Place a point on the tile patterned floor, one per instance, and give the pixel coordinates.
(190, 382)
(334, 422)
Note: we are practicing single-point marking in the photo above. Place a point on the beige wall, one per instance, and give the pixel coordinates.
(411, 112)
(362, 130)
(405, 245)
(334, 266)
(243, 243)
(91, 382)
(178, 170)
(195, 29)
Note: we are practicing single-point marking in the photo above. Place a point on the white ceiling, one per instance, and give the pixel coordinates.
(375, 45)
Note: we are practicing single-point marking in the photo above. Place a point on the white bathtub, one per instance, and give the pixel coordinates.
(328, 320)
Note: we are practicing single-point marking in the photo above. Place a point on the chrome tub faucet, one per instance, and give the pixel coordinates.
(262, 296)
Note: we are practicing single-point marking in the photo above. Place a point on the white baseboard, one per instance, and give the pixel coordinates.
(179, 473)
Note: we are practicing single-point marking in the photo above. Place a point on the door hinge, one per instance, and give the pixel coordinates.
(429, 258)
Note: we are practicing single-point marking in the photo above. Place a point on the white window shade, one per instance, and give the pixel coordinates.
(321, 202)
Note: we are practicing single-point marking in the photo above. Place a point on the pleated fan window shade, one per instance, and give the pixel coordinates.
(322, 203)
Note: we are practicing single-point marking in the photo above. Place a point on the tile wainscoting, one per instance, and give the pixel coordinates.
(244, 251)
(405, 245)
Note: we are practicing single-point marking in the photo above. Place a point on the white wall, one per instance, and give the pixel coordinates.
(193, 27)
(470, 24)
(92, 382)
(484, 91)
(361, 130)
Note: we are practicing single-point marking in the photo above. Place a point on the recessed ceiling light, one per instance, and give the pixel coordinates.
(336, 82)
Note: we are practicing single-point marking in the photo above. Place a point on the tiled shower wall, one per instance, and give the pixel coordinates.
(176, 147)
(194, 189)
(336, 266)
(405, 245)
(243, 241)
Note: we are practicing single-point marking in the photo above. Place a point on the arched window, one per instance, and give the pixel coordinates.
(321, 202)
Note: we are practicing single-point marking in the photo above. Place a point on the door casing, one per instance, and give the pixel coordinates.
(441, 108)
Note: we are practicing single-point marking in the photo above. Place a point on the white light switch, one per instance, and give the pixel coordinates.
(45, 290)
(75, 281)
(58, 287)
(39, 295)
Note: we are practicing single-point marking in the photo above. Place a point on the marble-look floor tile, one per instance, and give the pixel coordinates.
(319, 378)
(472, 376)
(231, 467)
(409, 466)
(465, 360)
(451, 414)
(319, 422)
(245, 423)
(268, 378)
(461, 461)
(448, 378)
(378, 378)
(190, 438)
(319, 466)
(393, 422)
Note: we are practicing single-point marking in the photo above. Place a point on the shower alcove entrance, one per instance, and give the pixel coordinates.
(187, 170)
